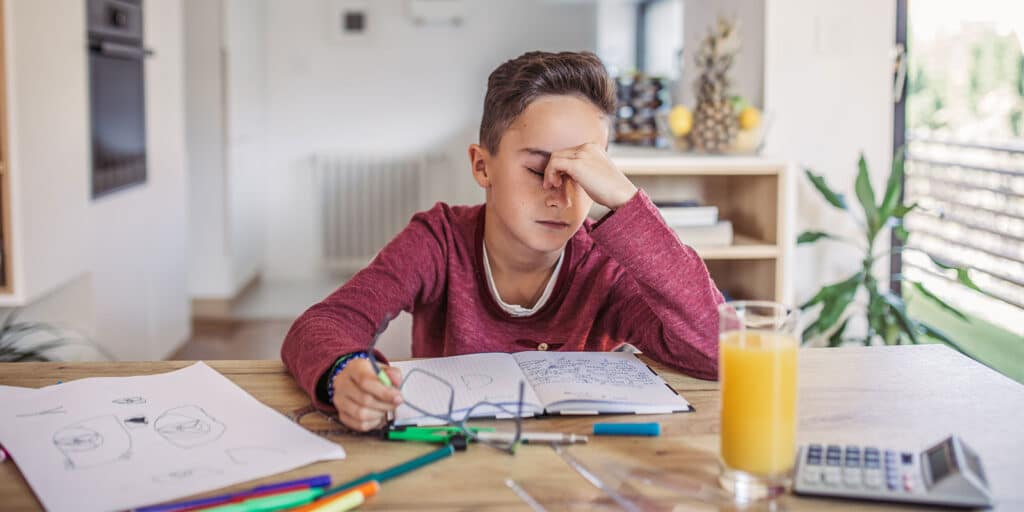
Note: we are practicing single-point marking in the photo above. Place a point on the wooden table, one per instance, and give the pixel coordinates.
(908, 396)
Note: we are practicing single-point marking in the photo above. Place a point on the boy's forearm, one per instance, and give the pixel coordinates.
(672, 281)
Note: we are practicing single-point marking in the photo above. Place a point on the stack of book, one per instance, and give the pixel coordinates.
(695, 224)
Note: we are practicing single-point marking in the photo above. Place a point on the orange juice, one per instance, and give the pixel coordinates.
(757, 371)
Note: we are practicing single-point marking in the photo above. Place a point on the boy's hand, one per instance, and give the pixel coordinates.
(361, 399)
(589, 166)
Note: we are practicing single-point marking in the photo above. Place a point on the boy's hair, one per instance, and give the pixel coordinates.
(512, 86)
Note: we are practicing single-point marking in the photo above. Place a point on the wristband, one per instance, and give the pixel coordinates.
(338, 367)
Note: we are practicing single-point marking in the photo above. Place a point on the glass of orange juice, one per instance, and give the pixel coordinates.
(757, 360)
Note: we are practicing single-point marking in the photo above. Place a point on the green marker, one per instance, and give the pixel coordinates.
(274, 502)
(430, 434)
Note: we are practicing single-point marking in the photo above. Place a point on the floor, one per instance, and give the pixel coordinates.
(261, 318)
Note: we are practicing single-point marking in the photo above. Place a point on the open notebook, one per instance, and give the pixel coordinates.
(556, 383)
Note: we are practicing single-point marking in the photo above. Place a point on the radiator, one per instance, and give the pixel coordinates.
(364, 202)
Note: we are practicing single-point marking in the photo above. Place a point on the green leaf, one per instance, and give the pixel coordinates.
(902, 210)
(833, 308)
(833, 198)
(866, 196)
(893, 188)
(941, 336)
(899, 310)
(827, 292)
(941, 303)
(961, 273)
(808, 237)
(837, 337)
(901, 232)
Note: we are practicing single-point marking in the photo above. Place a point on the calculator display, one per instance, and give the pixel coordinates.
(940, 460)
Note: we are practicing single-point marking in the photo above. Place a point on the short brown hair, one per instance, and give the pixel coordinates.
(515, 84)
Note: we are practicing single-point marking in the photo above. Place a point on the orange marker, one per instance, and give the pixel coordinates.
(345, 501)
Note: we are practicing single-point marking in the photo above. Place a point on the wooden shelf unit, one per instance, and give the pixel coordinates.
(754, 193)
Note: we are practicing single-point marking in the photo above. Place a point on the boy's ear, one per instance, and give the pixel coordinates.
(478, 157)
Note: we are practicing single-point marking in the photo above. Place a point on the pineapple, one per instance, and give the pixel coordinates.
(715, 124)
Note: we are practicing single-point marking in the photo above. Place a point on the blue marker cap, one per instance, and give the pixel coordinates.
(627, 429)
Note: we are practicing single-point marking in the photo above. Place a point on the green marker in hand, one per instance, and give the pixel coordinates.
(382, 376)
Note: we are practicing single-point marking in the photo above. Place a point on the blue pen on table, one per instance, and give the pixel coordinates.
(316, 481)
(627, 429)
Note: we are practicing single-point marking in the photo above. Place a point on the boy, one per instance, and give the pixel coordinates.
(527, 270)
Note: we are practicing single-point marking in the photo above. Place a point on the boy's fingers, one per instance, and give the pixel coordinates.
(364, 400)
(372, 385)
(357, 423)
(395, 374)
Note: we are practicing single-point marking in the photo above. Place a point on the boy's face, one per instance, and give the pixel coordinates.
(528, 215)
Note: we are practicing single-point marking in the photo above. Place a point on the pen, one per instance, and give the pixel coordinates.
(382, 376)
(316, 481)
(395, 471)
(627, 429)
(533, 437)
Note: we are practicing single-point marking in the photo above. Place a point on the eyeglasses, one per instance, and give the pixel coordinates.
(445, 413)
(445, 410)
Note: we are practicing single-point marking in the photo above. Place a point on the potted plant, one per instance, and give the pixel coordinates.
(885, 312)
(22, 341)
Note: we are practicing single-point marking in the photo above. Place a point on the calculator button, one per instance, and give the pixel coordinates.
(832, 461)
(872, 479)
(813, 461)
(834, 450)
(851, 477)
(892, 484)
(871, 463)
(832, 476)
(908, 458)
(812, 475)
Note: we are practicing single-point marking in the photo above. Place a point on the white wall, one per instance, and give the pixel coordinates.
(225, 104)
(401, 89)
(129, 246)
(48, 115)
(828, 84)
(748, 71)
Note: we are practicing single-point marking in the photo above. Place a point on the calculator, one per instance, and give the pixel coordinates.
(948, 473)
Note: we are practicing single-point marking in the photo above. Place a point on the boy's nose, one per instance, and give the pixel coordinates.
(562, 195)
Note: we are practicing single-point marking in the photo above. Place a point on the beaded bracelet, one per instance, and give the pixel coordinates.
(338, 367)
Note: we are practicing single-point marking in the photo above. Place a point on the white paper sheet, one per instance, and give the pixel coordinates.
(113, 443)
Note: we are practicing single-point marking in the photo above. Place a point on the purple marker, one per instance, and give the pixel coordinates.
(316, 481)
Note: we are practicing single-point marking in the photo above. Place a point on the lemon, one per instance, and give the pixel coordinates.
(750, 118)
(680, 120)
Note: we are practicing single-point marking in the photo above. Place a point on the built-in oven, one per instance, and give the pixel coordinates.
(117, 98)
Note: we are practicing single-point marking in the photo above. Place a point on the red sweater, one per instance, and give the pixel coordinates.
(625, 278)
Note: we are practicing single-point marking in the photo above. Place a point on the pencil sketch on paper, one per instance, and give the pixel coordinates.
(134, 422)
(129, 400)
(93, 442)
(476, 381)
(193, 473)
(244, 455)
(188, 426)
(53, 410)
(602, 372)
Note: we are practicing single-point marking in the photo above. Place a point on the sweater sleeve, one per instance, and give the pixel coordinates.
(409, 270)
(666, 302)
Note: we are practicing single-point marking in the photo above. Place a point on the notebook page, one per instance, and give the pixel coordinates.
(492, 377)
(597, 382)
